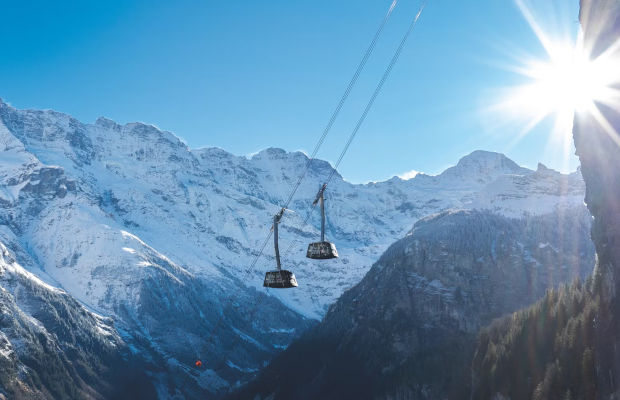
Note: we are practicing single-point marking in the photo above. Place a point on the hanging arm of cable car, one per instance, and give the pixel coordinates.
(276, 222)
(280, 278)
(319, 194)
(322, 250)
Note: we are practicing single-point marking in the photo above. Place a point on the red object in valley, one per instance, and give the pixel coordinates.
(199, 363)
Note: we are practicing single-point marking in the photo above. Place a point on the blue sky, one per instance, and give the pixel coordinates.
(246, 75)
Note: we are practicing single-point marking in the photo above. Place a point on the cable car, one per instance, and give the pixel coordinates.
(280, 278)
(322, 250)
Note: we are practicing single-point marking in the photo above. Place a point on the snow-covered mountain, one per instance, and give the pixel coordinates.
(140, 228)
(218, 206)
(51, 347)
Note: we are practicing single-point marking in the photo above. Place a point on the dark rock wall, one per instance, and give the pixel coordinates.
(598, 142)
(598, 146)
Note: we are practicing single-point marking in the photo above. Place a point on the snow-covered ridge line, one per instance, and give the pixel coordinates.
(479, 159)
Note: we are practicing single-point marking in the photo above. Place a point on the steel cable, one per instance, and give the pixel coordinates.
(367, 109)
(343, 99)
(328, 127)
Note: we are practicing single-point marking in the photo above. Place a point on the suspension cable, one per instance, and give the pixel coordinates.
(362, 118)
(343, 99)
(331, 121)
(328, 127)
(384, 78)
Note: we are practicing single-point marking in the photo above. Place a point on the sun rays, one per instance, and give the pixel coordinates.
(569, 80)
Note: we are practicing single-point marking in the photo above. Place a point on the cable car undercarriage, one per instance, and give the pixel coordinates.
(322, 250)
(280, 278)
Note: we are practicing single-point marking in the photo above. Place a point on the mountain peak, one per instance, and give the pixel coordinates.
(484, 165)
(489, 159)
(271, 153)
(543, 169)
(106, 123)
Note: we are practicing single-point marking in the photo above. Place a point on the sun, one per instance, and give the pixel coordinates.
(565, 81)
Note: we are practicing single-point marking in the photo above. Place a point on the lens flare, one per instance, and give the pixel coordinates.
(565, 81)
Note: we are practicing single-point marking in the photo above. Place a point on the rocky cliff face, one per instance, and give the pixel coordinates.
(408, 329)
(598, 143)
(597, 140)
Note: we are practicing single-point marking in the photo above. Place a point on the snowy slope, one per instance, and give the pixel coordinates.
(51, 347)
(131, 221)
(74, 237)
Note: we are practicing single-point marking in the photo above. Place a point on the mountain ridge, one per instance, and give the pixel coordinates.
(132, 223)
(482, 158)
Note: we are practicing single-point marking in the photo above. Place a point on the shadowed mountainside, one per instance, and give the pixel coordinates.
(51, 347)
(408, 329)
